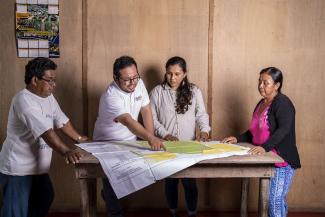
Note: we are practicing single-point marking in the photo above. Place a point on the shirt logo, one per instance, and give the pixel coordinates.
(48, 116)
(138, 98)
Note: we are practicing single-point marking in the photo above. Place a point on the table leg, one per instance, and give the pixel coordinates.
(263, 202)
(88, 197)
(244, 196)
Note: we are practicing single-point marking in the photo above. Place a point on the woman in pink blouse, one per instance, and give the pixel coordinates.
(272, 128)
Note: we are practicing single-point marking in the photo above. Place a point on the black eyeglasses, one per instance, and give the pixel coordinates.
(50, 81)
(133, 80)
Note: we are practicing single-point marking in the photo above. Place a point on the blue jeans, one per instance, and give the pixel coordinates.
(279, 188)
(190, 189)
(26, 196)
(113, 206)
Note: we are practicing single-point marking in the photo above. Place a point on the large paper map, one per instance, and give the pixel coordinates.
(131, 165)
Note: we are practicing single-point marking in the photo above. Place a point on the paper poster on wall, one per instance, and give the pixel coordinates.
(37, 28)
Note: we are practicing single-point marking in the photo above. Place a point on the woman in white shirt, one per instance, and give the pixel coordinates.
(178, 108)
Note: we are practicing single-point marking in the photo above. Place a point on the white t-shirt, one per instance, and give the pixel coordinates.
(24, 152)
(115, 102)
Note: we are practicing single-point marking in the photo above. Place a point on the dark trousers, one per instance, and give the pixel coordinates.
(190, 189)
(113, 206)
(26, 196)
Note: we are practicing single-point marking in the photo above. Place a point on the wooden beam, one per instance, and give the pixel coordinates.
(84, 85)
(210, 60)
(207, 184)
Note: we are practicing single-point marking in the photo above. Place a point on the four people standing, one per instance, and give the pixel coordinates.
(174, 112)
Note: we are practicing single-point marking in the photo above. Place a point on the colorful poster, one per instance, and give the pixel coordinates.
(37, 28)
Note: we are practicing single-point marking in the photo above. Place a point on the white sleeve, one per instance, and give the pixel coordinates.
(111, 106)
(154, 103)
(33, 118)
(201, 116)
(59, 117)
(145, 98)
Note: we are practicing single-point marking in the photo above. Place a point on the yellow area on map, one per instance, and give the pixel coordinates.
(161, 156)
(181, 147)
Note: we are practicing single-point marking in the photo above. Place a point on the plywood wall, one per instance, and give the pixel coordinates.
(246, 36)
(251, 35)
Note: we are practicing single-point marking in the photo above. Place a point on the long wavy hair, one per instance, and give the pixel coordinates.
(184, 93)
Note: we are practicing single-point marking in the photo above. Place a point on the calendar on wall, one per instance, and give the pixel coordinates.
(37, 28)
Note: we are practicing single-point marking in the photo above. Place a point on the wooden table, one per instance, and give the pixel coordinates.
(245, 167)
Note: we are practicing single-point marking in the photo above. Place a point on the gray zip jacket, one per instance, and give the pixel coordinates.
(167, 121)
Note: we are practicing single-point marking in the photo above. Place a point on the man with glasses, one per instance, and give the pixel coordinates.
(26, 153)
(120, 105)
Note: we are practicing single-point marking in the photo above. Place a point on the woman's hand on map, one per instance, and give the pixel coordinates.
(203, 137)
(258, 150)
(170, 138)
(230, 139)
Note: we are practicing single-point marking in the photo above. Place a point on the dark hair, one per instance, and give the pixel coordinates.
(121, 63)
(184, 91)
(276, 75)
(37, 67)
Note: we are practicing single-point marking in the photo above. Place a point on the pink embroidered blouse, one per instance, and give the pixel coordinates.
(259, 128)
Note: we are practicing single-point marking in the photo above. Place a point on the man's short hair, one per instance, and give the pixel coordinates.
(121, 63)
(37, 67)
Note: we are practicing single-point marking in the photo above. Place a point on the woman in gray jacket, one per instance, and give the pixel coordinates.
(178, 108)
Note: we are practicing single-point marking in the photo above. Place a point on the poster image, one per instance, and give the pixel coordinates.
(37, 29)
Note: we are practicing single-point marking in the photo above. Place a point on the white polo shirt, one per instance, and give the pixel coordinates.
(24, 152)
(115, 102)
